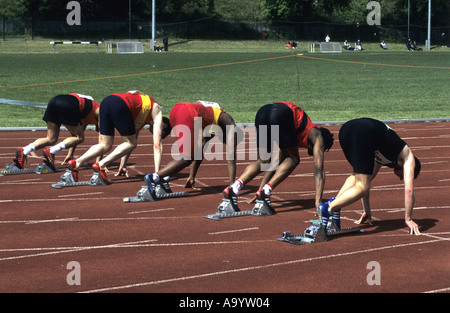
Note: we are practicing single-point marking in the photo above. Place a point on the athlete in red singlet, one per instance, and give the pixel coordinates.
(183, 117)
(75, 112)
(127, 113)
(295, 130)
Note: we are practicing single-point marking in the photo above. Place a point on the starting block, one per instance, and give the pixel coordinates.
(144, 195)
(226, 210)
(316, 233)
(12, 169)
(68, 181)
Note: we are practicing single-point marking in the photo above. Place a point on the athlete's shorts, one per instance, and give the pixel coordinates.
(63, 110)
(114, 114)
(280, 115)
(182, 121)
(358, 145)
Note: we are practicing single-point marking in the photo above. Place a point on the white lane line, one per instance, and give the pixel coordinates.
(258, 267)
(81, 194)
(48, 200)
(108, 219)
(438, 290)
(151, 211)
(233, 231)
(67, 249)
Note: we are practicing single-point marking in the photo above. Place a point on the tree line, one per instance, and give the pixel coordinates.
(393, 12)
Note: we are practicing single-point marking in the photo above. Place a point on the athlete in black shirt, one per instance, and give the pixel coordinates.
(369, 144)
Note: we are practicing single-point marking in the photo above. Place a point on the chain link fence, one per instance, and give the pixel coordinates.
(215, 29)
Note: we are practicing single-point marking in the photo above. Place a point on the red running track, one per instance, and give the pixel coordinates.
(168, 246)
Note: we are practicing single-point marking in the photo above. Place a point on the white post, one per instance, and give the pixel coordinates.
(429, 26)
(408, 17)
(129, 19)
(152, 41)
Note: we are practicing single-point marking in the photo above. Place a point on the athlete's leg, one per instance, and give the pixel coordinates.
(129, 144)
(50, 139)
(77, 136)
(105, 144)
(351, 193)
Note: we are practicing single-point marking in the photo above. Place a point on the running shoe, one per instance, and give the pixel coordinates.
(101, 171)
(151, 184)
(261, 195)
(73, 169)
(49, 159)
(325, 215)
(164, 183)
(336, 215)
(228, 193)
(20, 159)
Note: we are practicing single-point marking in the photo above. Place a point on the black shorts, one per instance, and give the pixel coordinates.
(358, 145)
(362, 139)
(63, 110)
(114, 114)
(280, 115)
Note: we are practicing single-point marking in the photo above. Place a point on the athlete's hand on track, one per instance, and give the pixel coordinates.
(413, 228)
(190, 183)
(365, 217)
(122, 172)
(66, 160)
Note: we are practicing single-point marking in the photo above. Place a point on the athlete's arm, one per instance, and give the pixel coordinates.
(157, 135)
(316, 139)
(406, 159)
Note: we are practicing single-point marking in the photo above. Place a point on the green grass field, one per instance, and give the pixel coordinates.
(240, 76)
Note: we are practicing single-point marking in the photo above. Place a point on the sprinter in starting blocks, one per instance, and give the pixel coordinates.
(12, 169)
(317, 233)
(161, 192)
(67, 180)
(227, 209)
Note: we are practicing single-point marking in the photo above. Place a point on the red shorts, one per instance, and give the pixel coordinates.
(182, 121)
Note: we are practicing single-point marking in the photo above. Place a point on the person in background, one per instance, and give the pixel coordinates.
(347, 46)
(358, 45)
(166, 42)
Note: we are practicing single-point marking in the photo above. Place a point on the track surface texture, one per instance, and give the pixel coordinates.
(167, 246)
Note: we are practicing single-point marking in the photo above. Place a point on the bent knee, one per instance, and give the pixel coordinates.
(79, 140)
(133, 145)
(52, 141)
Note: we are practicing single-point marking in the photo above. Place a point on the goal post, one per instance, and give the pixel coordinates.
(130, 47)
(330, 47)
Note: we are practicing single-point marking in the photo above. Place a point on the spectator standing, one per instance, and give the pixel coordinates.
(166, 42)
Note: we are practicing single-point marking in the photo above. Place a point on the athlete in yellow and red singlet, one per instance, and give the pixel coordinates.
(182, 120)
(127, 113)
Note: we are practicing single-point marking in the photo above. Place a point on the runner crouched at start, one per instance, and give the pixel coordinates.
(128, 113)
